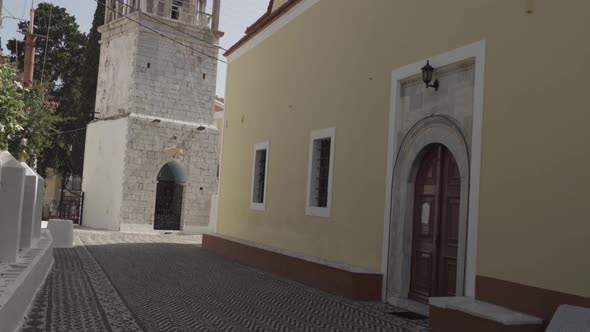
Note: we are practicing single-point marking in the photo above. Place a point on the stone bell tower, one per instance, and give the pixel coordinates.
(151, 159)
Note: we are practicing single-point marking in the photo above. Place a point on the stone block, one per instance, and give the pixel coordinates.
(62, 232)
(39, 209)
(569, 318)
(12, 181)
(29, 207)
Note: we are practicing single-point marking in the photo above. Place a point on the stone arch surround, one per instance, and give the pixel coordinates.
(435, 129)
(178, 169)
(460, 98)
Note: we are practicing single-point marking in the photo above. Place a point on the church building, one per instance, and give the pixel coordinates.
(428, 154)
(151, 153)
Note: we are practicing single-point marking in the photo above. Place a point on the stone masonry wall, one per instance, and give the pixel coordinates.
(115, 73)
(173, 81)
(454, 99)
(166, 90)
(150, 145)
(143, 72)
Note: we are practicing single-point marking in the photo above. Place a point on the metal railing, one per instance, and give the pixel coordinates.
(191, 12)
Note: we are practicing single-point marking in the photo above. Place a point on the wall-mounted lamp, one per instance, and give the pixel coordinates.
(201, 128)
(427, 72)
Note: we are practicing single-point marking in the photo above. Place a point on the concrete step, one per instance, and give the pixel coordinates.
(569, 318)
(456, 313)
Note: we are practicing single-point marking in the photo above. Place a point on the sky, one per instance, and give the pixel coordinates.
(236, 16)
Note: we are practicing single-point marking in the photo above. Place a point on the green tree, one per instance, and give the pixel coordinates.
(36, 126)
(59, 58)
(11, 103)
(88, 88)
(59, 61)
(27, 116)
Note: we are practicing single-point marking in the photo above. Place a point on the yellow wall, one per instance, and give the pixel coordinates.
(219, 125)
(314, 73)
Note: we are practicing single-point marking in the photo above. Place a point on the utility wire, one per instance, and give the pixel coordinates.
(171, 26)
(8, 11)
(46, 45)
(68, 131)
(25, 8)
(161, 34)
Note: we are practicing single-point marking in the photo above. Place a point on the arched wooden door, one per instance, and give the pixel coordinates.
(435, 230)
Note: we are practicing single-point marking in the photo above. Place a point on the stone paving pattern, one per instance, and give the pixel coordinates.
(125, 282)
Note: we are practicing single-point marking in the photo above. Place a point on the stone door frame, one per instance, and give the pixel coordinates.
(402, 164)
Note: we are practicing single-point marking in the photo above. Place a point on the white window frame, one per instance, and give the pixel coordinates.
(258, 147)
(325, 212)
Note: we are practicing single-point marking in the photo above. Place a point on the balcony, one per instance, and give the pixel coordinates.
(191, 12)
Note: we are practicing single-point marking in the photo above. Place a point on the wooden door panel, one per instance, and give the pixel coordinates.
(424, 226)
(423, 268)
(435, 230)
(452, 210)
(449, 226)
(448, 281)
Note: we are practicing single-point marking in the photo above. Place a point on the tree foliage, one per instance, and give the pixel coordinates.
(59, 61)
(11, 103)
(36, 125)
(88, 88)
(27, 116)
(59, 58)
(91, 64)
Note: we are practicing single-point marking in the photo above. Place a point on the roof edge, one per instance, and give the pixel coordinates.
(264, 21)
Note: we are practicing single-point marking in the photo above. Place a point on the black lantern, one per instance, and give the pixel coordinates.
(427, 72)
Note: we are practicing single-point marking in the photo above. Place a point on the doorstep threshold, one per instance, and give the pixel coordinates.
(485, 310)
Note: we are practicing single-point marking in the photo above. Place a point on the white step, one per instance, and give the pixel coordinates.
(485, 310)
(569, 318)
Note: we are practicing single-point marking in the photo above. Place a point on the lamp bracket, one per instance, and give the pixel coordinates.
(434, 85)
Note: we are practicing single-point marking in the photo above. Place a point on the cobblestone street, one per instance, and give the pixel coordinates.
(125, 282)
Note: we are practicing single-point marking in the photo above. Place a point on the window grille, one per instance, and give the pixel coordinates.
(259, 177)
(320, 172)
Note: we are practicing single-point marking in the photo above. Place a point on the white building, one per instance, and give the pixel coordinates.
(151, 161)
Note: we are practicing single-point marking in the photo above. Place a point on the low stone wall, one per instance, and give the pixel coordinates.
(26, 253)
(346, 282)
(20, 281)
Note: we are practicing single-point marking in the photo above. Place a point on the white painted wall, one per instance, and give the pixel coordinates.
(17, 293)
(29, 207)
(38, 209)
(103, 173)
(11, 199)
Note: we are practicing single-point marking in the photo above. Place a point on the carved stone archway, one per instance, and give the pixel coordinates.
(430, 130)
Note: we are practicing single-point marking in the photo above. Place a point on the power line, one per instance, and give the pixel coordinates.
(171, 26)
(161, 34)
(46, 44)
(8, 11)
(68, 131)
(25, 9)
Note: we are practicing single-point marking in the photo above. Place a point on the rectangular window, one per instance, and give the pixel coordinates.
(259, 176)
(175, 12)
(319, 178)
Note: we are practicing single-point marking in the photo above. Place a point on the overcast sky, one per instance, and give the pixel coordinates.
(236, 15)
